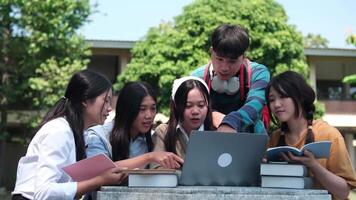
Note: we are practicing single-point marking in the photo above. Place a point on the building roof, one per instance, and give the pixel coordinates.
(337, 52)
(125, 44)
(112, 44)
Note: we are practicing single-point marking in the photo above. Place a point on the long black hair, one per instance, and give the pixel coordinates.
(127, 108)
(83, 86)
(177, 107)
(293, 85)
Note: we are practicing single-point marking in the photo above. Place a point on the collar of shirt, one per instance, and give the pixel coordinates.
(182, 130)
(138, 146)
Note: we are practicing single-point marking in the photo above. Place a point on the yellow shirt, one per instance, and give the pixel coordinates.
(338, 162)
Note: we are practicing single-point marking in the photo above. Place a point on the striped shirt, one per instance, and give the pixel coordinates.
(247, 116)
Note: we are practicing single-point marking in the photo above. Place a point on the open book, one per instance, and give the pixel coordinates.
(152, 177)
(320, 149)
(89, 168)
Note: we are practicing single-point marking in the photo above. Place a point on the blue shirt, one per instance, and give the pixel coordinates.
(97, 141)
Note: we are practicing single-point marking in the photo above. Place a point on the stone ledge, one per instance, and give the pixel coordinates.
(209, 193)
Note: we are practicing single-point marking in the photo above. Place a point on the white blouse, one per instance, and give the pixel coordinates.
(39, 172)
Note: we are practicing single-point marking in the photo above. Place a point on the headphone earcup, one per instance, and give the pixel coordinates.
(218, 85)
(233, 85)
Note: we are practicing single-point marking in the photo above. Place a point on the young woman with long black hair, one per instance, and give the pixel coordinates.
(59, 142)
(189, 110)
(127, 139)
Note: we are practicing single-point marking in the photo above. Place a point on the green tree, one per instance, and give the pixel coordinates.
(315, 41)
(176, 48)
(351, 39)
(40, 49)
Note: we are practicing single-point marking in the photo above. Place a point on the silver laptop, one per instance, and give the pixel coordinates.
(223, 159)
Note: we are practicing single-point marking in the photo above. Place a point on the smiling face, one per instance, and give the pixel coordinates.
(195, 110)
(281, 106)
(144, 119)
(225, 67)
(97, 110)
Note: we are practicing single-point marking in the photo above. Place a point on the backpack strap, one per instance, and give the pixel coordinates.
(245, 78)
(206, 76)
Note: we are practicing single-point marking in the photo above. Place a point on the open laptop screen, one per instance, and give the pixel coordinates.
(223, 159)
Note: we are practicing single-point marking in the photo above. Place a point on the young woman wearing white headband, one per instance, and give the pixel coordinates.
(189, 110)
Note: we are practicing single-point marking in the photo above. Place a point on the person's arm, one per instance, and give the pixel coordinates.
(251, 110)
(217, 118)
(113, 176)
(159, 157)
(165, 159)
(336, 185)
(226, 129)
(158, 142)
(55, 149)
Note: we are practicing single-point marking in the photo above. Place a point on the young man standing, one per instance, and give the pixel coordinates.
(237, 84)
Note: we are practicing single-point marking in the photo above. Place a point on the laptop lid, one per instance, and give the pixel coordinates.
(223, 159)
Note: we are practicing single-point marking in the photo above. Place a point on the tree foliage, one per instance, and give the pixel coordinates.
(176, 48)
(351, 39)
(40, 50)
(315, 41)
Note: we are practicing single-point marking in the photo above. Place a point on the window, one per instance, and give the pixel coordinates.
(329, 90)
(335, 90)
(106, 65)
(353, 91)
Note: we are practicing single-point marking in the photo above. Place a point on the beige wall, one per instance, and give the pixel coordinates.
(109, 61)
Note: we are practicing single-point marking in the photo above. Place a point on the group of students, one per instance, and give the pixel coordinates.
(210, 99)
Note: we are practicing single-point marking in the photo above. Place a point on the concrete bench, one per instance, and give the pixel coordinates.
(209, 193)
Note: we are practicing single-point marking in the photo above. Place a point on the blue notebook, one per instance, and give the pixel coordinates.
(320, 149)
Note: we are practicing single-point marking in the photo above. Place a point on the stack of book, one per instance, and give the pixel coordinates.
(284, 175)
(152, 177)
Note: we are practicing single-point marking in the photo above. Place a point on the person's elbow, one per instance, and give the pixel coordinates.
(343, 194)
(53, 191)
(43, 192)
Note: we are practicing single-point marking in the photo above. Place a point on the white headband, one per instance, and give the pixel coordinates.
(178, 82)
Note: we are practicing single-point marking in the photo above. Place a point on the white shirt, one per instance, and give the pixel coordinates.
(39, 174)
(185, 135)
